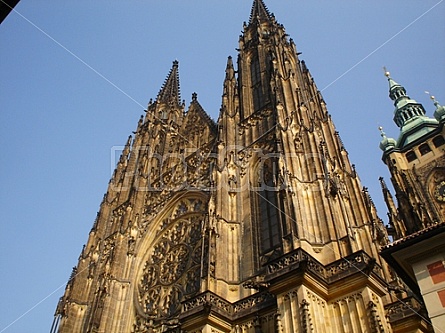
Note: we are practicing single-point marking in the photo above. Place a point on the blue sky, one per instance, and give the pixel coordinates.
(76, 76)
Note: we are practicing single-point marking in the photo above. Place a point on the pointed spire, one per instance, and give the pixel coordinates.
(396, 91)
(406, 108)
(229, 80)
(170, 92)
(259, 10)
(230, 102)
(230, 71)
(387, 194)
(396, 227)
(409, 116)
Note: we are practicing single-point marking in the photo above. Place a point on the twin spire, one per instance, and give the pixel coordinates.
(170, 90)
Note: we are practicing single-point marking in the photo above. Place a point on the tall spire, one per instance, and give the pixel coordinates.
(170, 92)
(259, 9)
(396, 227)
(406, 108)
(409, 115)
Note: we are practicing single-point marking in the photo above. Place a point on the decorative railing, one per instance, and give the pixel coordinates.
(211, 301)
(257, 302)
(358, 261)
(291, 262)
(404, 308)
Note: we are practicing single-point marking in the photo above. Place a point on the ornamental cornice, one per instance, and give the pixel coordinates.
(299, 259)
(209, 302)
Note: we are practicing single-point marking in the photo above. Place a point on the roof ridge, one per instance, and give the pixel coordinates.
(201, 110)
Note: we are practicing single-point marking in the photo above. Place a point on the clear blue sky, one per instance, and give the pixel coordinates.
(76, 76)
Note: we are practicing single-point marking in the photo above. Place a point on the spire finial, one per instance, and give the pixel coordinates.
(439, 114)
(387, 73)
(383, 134)
(386, 143)
(432, 97)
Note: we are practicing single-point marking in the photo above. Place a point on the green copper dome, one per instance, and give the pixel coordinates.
(386, 143)
(439, 113)
(409, 116)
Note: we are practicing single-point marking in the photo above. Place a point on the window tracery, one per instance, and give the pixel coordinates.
(172, 271)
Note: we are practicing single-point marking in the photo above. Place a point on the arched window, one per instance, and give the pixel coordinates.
(268, 210)
(257, 91)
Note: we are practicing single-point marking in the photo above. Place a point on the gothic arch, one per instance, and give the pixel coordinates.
(266, 206)
(170, 267)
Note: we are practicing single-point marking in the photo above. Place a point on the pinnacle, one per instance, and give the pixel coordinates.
(259, 10)
(229, 62)
(230, 71)
(170, 92)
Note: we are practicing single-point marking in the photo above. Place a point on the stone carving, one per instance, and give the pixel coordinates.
(306, 321)
(172, 271)
(252, 301)
(404, 308)
(359, 261)
(374, 318)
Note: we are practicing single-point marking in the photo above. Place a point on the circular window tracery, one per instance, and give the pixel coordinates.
(172, 271)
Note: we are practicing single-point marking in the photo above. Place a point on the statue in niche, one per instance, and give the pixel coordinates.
(232, 183)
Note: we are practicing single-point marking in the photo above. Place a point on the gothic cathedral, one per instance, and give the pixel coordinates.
(254, 223)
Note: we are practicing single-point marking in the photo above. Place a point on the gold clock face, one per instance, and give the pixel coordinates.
(439, 191)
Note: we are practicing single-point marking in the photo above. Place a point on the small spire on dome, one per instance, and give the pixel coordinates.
(386, 143)
(433, 98)
(381, 131)
(439, 113)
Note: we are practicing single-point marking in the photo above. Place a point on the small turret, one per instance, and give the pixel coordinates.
(439, 113)
(409, 116)
(407, 109)
(386, 143)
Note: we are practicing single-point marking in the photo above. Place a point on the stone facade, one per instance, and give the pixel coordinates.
(416, 161)
(254, 223)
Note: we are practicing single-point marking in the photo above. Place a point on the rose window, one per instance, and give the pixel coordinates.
(172, 271)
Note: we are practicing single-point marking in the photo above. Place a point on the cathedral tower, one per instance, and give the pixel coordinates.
(255, 223)
(416, 162)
